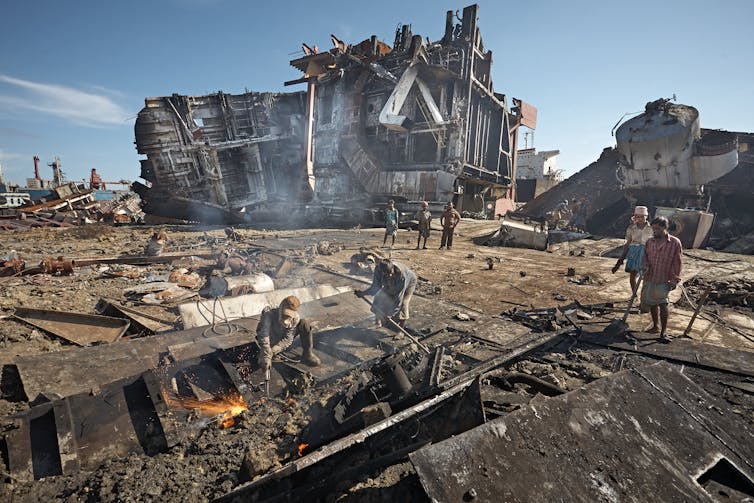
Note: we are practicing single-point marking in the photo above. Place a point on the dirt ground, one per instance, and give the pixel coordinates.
(213, 460)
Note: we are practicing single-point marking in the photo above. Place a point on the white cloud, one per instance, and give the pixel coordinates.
(11, 163)
(106, 90)
(9, 156)
(79, 107)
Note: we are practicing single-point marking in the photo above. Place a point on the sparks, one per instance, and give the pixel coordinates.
(223, 407)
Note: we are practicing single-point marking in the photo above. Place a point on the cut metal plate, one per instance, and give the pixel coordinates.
(88, 369)
(683, 350)
(643, 435)
(79, 328)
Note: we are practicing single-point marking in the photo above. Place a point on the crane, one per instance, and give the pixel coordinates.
(96, 182)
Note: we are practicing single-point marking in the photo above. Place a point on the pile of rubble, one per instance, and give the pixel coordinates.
(127, 390)
(71, 205)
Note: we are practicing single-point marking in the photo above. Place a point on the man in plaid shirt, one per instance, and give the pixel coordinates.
(661, 265)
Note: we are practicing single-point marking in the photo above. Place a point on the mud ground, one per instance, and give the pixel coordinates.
(213, 460)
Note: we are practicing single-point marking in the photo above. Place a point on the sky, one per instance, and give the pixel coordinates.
(74, 74)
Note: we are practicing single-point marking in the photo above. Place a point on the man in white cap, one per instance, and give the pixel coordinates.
(424, 216)
(637, 235)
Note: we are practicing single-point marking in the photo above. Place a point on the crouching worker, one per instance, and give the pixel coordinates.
(393, 286)
(278, 327)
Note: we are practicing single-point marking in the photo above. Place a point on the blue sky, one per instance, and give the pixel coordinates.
(74, 74)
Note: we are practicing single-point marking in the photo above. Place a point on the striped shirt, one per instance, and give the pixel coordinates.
(662, 260)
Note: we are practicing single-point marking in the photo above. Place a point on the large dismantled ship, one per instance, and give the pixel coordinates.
(415, 120)
(699, 178)
(664, 149)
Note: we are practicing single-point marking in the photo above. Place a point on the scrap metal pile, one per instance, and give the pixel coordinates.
(69, 205)
(161, 397)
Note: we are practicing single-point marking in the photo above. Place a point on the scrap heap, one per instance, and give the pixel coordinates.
(508, 381)
(504, 375)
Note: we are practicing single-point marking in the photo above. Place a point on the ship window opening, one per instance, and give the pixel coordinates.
(326, 106)
(724, 479)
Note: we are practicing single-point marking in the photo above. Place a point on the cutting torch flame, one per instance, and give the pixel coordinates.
(225, 408)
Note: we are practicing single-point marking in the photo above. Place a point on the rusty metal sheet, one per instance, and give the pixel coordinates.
(79, 328)
(527, 113)
(140, 319)
(644, 435)
(82, 431)
(683, 350)
(84, 369)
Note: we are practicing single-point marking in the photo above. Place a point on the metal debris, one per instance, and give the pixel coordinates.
(626, 413)
(79, 328)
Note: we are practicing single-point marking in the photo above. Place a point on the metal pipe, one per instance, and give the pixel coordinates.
(310, 133)
(448, 27)
(402, 330)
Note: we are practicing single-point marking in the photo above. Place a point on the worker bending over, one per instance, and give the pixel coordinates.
(278, 327)
(393, 286)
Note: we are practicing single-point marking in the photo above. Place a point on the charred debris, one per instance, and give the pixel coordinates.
(415, 120)
(157, 396)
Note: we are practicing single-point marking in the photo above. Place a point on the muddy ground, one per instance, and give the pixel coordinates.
(213, 460)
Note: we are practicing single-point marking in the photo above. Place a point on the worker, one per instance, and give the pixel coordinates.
(278, 327)
(424, 216)
(393, 286)
(391, 222)
(449, 220)
(156, 244)
(661, 265)
(559, 216)
(637, 235)
(580, 212)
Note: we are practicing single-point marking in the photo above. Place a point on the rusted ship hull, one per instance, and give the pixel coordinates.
(414, 121)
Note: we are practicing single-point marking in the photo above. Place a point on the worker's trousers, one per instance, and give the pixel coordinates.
(447, 237)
